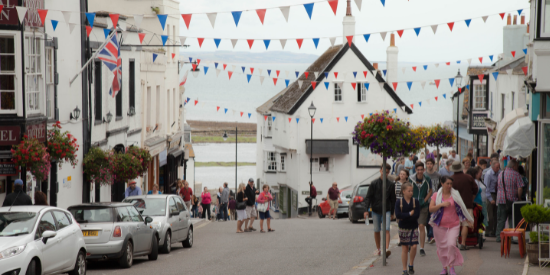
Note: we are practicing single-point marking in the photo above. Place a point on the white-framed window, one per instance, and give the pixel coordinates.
(513, 100)
(480, 97)
(337, 93)
(502, 106)
(283, 167)
(322, 164)
(34, 80)
(271, 163)
(50, 83)
(545, 18)
(8, 74)
(268, 126)
(362, 92)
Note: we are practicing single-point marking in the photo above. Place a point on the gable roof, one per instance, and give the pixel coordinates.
(264, 108)
(290, 100)
(477, 70)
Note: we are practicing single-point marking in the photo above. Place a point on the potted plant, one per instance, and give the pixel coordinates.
(535, 214)
(97, 164)
(62, 147)
(32, 154)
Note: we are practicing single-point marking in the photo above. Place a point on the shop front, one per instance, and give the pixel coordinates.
(477, 127)
(156, 171)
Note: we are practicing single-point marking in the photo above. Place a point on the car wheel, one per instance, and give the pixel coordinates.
(189, 241)
(80, 265)
(154, 249)
(127, 258)
(31, 270)
(350, 215)
(320, 213)
(167, 246)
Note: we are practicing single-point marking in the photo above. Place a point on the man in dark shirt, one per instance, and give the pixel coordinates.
(374, 199)
(251, 214)
(312, 195)
(333, 196)
(18, 197)
(467, 187)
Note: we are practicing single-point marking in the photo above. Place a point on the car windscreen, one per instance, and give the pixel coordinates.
(149, 206)
(16, 223)
(362, 191)
(345, 194)
(92, 214)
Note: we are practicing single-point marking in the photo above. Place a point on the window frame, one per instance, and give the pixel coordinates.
(55, 212)
(541, 20)
(98, 97)
(39, 58)
(513, 95)
(271, 161)
(502, 105)
(132, 83)
(49, 89)
(16, 73)
(479, 95)
(337, 92)
(282, 166)
(362, 92)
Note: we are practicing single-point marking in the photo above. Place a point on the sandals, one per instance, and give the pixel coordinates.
(261, 231)
(252, 229)
(270, 230)
(240, 231)
(246, 230)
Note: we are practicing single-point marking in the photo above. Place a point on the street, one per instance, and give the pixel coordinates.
(304, 246)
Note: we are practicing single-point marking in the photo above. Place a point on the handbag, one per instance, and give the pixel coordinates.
(262, 207)
(509, 204)
(241, 205)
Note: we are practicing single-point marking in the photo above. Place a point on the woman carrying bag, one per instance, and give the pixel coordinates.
(241, 208)
(407, 210)
(263, 207)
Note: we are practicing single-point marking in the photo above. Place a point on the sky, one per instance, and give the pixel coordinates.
(477, 40)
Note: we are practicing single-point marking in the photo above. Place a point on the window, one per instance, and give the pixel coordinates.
(513, 100)
(169, 48)
(503, 109)
(134, 214)
(132, 84)
(545, 18)
(361, 92)
(62, 220)
(122, 215)
(158, 106)
(337, 92)
(149, 109)
(323, 165)
(181, 204)
(7, 74)
(271, 161)
(50, 84)
(175, 102)
(97, 91)
(172, 206)
(33, 72)
(47, 223)
(480, 96)
(283, 163)
(118, 101)
(168, 100)
(491, 100)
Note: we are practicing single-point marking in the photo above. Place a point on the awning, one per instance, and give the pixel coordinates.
(520, 139)
(329, 147)
(503, 125)
(463, 134)
(175, 152)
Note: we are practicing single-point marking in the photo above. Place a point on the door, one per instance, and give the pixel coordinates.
(66, 236)
(51, 259)
(183, 217)
(142, 238)
(175, 219)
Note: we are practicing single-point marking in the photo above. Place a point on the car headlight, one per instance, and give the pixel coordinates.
(12, 251)
(157, 225)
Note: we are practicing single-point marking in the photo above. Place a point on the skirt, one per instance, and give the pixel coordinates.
(408, 236)
(241, 215)
(445, 239)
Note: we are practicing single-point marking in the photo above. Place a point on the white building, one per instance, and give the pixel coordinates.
(284, 126)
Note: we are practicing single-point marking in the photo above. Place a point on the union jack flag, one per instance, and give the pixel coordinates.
(110, 55)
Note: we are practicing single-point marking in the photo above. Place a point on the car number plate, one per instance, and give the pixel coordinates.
(90, 233)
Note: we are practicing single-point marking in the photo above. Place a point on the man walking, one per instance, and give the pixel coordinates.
(434, 176)
(409, 164)
(18, 196)
(373, 200)
(132, 190)
(224, 201)
(446, 170)
(491, 181)
(467, 187)
(186, 194)
(312, 195)
(454, 156)
(509, 189)
(422, 191)
(251, 214)
(333, 196)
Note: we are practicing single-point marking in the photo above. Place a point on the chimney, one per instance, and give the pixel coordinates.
(527, 27)
(515, 19)
(375, 65)
(391, 61)
(348, 9)
(523, 19)
(392, 40)
(514, 36)
(348, 24)
(509, 20)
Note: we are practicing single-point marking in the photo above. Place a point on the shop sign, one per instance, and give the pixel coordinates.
(478, 121)
(10, 135)
(32, 19)
(8, 16)
(8, 169)
(37, 131)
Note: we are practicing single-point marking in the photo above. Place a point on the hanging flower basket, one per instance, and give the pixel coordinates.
(421, 132)
(62, 147)
(440, 136)
(125, 167)
(97, 164)
(32, 154)
(142, 155)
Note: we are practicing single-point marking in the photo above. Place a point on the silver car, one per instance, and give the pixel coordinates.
(171, 218)
(116, 231)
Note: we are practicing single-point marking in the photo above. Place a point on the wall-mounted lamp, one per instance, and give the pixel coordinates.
(156, 127)
(109, 117)
(75, 114)
(131, 111)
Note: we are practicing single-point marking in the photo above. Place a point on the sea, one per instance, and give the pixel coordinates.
(237, 97)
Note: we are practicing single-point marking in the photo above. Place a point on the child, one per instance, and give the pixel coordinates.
(232, 205)
(407, 210)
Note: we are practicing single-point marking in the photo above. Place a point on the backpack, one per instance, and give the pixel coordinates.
(313, 194)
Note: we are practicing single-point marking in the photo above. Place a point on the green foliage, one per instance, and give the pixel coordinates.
(97, 165)
(142, 155)
(125, 167)
(535, 214)
(32, 154)
(534, 237)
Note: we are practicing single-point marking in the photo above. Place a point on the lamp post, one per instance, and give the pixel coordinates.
(225, 139)
(458, 79)
(311, 111)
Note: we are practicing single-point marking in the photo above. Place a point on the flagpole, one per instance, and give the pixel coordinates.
(93, 56)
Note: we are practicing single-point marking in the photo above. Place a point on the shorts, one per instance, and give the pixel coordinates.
(465, 223)
(377, 221)
(424, 216)
(333, 204)
(241, 215)
(251, 212)
(265, 215)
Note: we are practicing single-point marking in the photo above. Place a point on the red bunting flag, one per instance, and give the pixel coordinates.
(362, 116)
(141, 37)
(480, 76)
(277, 72)
(229, 73)
(1, 8)
(313, 120)
(414, 68)
(198, 61)
(250, 42)
(448, 63)
(334, 5)
(251, 70)
(274, 81)
(42, 14)
(412, 106)
(354, 85)
(394, 86)
(261, 15)
(289, 120)
(224, 65)
(307, 74)
(114, 19)
(350, 39)
(313, 84)
(400, 32)
(241, 114)
(338, 119)
(217, 108)
(524, 69)
(437, 83)
(194, 66)
(200, 41)
(481, 60)
(459, 90)
(502, 15)
(265, 118)
(335, 74)
(299, 41)
(451, 25)
(365, 73)
(196, 101)
(436, 98)
(513, 53)
(173, 55)
(88, 30)
(186, 19)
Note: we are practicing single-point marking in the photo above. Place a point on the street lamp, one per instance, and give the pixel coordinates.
(224, 136)
(458, 79)
(311, 111)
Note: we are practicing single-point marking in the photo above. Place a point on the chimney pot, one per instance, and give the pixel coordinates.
(527, 27)
(509, 20)
(523, 19)
(375, 65)
(515, 19)
(348, 9)
(392, 40)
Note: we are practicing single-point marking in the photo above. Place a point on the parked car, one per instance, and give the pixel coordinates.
(356, 209)
(116, 231)
(40, 240)
(324, 206)
(171, 218)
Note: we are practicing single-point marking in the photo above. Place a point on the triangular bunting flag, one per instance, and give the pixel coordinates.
(162, 19)
(394, 86)
(248, 77)
(300, 82)
(316, 42)
(138, 18)
(297, 74)
(217, 108)
(269, 72)
(326, 75)
(524, 51)
(491, 57)
(205, 69)
(444, 96)
(436, 98)
(423, 84)
(338, 119)
(480, 76)
(321, 119)
(251, 70)
(54, 23)
(154, 57)
(217, 41)
(285, 11)
(409, 84)
(437, 65)
(519, 11)
(383, 35)
(412, 106)
(299, 41)
(274, 81)
(502, 15)
(448, 63)
(332, 40)
(249, 114)
(451, 24)
(261, 14)
(524, 69)
(218, 71)
(236, 17)
(200, 40)
(277, 72)
(21, 12)
(346, 118)
(451, 81)
(484, 19)
(366, 36)
(71, 27)
(335, 75)
(289, 120)
(182, 39)
(354, 74)
(400, 33)
(425, 67)
(366, 84)
(106, 32)
(286, 82)
(362, 116)
(509, 72)
(196, 101)
(313, 84)
(141, 37)
(187, 19)
(250, 42)
(88, 30)
(384, 71)
(417, 31)
(266, 43)
(283, 42)
(365, 73)
(297, 120)
(495, 75)
(313, 120)
(242, 114)
(468, 22)
(309, 9)
(358, 3)
(91, 17)
(234, 42)
(164, 38)
(383, 2)
(211, 17)
(513, 53)
(66, 16)
(326, 85)
(273, 118)
(354, 85)
(262, 80)
(437, 83)
(434, 28)
(333, 5)
(229, 73)
(316, 74)
(469, 61)
(414, 68)
(243, 68)
(350, 39)
(420, 104)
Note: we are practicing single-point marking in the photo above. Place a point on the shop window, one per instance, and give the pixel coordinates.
(8, 73)
(322, 164)
(34, 80)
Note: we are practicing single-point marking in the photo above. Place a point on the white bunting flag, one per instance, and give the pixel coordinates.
(262, 80)
(21, 12)
(316, 74)
(182, 40)
(300, 82)
(233, 68)
(509, 72)
(382, 85)
(218, 71)
(427, 100)
(285, 11)
(286, 73)
(434, 28)
(332, 40)
(423, 84)
(437, 65)
(484, 19)
(340, 84)
(122, 24)
(212, 18)
(403, 69)
(283, 42)
(71, 28)
(469, 61)
(234, 42)
(260, 70)
(66, 16)
(383, 34)
(124, 35)
(138, 18)
(358, 3)
(195, 73)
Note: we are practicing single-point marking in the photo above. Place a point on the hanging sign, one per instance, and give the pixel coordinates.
(8, 15)
(8, 169)
(9, 135)
(478, 121)
(37, 131)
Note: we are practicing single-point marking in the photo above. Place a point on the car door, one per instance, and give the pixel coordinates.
(66, 237)
(174, 219)
(183, 217)
(142, 241)
(51, 259)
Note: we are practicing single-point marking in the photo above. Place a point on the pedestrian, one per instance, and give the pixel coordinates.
(422, 158)
(521, 171)
(409, 164)
(217, 211)
(415, 159)
(206, 199)
(264, 200)
(454, 156)
(446, 169)
(467, 187)
(232, 205)
(373, 200)
(407, 210)
(422, 190)
(509, 190)
(470, 155)
(194, 206)
(393, 167)
(443, 161)
(155, 191)
(179, 186)
(185, 193)
(40, 198)
(448, 212)
(333, 197)
(251, 214)
(403, 178)
(491, 181)
(241, 208)
(483, 165)
(225, 201)
(312, 195)
(400, 166)
(467, 164)
(132, 190)
(18, 196)
(434, 176)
